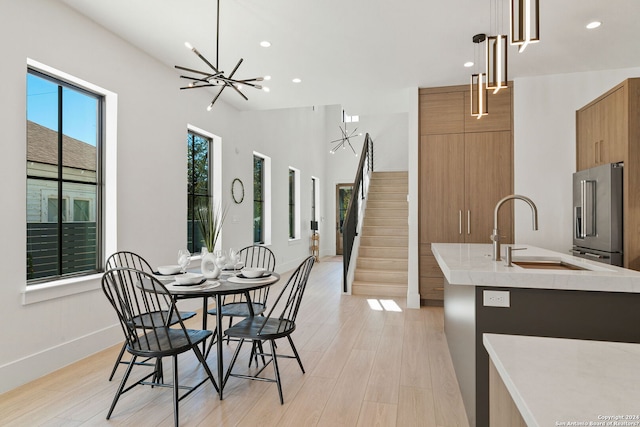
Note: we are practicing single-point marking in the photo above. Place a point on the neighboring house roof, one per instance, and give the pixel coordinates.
(42, 147)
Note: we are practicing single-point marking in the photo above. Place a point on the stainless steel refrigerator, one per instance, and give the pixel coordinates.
(597, 213)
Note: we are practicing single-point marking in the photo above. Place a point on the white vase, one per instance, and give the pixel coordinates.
(208, 266)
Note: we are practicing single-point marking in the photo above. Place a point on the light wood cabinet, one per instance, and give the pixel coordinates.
(608, 131)
(465, 168)
(600, 131)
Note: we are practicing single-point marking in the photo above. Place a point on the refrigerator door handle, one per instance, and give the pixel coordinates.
(587, 202)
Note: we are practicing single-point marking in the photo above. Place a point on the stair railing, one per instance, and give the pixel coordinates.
(354, 210)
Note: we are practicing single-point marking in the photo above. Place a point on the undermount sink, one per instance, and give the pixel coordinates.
(547, 265)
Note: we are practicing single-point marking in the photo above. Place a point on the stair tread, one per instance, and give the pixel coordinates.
(385, 284)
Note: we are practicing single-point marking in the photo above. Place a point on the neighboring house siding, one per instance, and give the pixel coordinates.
(79, 165)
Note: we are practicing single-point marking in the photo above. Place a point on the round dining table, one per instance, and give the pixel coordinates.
(229, 283)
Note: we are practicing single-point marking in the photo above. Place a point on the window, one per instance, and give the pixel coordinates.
(64, 132)
(198, 185)
(294, 203)
(261, 199)
(258, 199)
(315, 196)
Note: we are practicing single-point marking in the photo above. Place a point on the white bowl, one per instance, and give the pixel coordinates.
(189, 278)
(169, 269)
(253, 272)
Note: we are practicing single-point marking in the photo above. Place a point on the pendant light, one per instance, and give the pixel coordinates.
(479, 104)
(214, 76)
(525, 23)
(344, 140)
(496, 52)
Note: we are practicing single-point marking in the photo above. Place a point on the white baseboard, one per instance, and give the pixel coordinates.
(29, 368)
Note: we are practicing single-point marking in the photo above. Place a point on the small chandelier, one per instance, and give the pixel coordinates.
(346, 136)
(525, 23)
(215, 77)
(479, 104)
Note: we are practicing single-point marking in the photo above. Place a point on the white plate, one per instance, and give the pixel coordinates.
(189, 278)
(168, 269)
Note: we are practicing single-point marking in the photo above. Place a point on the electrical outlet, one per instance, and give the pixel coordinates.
(495, 298)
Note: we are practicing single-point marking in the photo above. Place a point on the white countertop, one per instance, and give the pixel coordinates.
(471, 264)
(557, 382)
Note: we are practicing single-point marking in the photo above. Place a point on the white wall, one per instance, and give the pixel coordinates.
(544, 149)
(292, 138)
(151, 175)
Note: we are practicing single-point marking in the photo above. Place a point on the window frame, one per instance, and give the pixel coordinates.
(294, 204)
(215, 173)
(192, 194)
(64, 210)
(266, 195)
(315, 199)
(45, 291)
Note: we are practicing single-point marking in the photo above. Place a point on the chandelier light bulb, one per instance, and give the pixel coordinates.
(594, 24)
(188, 45)
(266, 89)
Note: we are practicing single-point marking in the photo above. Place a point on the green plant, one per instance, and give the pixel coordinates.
(210, 220)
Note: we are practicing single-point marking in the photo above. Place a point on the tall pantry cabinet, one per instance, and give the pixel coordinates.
(465, 168)
(608, 131)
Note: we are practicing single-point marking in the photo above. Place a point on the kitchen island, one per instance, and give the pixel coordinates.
(561, 382)
(581, 299)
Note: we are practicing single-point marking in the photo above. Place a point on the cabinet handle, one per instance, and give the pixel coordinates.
(598, 153)
(468, 222)
(460, 222)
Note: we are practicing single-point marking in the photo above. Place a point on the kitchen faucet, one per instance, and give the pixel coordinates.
(495, 237)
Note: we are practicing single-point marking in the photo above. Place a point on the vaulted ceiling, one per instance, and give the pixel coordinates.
(364, 54)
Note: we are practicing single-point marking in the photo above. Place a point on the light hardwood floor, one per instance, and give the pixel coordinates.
(366, 365)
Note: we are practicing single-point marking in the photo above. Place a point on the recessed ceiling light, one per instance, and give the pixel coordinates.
(266, 78)
(468, 64)
(296, 80)
(265, 43)
(594, 24)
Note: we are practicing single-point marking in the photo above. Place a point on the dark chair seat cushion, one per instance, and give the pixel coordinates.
(239, 309)
(145, 319)
(250, 328)
(162, 342)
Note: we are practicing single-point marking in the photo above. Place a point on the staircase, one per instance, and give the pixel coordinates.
(382, 265)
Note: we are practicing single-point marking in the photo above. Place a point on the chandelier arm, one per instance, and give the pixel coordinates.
(194, 71)
(194, 50)
(218, 95)
(196, 87)
(196, 79)
(239, 91)
(235, 68)
(354, 151)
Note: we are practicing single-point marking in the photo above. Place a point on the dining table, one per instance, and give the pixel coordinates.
(228, 283)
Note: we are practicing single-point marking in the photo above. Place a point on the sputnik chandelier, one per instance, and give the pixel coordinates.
(346, 136)
(216, 77)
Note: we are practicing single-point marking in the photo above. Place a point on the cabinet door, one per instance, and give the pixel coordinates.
(499, 117)
(441, 188)
(611, 122)
(488, 166)
(441, 113)
(587, 140)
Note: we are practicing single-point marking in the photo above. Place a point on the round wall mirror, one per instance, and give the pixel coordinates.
(237, 191)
